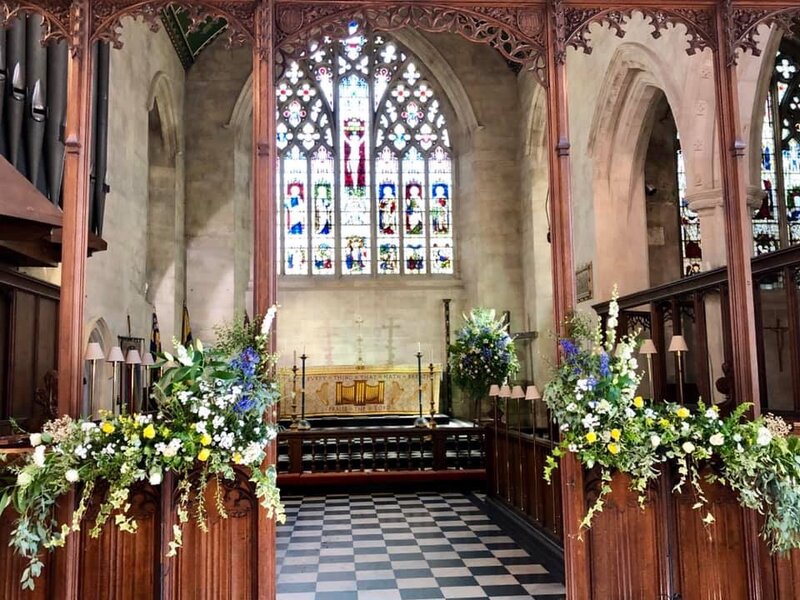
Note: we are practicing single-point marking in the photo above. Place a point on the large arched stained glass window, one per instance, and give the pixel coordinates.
(365, 180)
(776, 223)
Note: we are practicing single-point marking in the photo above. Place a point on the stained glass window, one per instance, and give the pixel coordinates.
(365, 169)
(691, 244)
(776, 222)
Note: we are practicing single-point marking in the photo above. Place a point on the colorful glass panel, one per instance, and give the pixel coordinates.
(691, 244)
(365, 152)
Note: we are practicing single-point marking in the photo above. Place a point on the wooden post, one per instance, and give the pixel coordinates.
(738, 250)
(73, 260)
(264, 247)
(576, 563)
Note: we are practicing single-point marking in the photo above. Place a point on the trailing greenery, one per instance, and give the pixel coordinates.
(606, 425)
(209, 423)
(483, 353)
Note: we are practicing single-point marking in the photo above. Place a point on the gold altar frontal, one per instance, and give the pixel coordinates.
(351, 390)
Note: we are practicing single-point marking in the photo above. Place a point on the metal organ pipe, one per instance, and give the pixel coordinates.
(56, 114)
(15, 113)
(36, 113)
(3, 80)
(101, 137)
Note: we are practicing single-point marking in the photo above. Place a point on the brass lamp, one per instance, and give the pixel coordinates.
(115, 358)
(648, 348)
(132, 360)
(678, 345)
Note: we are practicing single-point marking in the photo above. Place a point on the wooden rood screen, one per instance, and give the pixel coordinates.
(237, 560)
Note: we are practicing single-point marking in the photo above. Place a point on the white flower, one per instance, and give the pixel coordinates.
(564, 427)
(629, 412)
(572, 407)
(80, 451)
(764, 436)
(711, 414)
(603, 406)
(737, 438)
(24, 479)
(72, 476)
(717, 439)
(88, 426)
(688, 447)
(590, 421)
(655, 441)
(36, 439)
(266, 324)
(38, 456)
(155, 477)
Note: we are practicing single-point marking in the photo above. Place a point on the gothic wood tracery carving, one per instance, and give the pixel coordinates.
(56, 14)
(744, 24)
(699, 23)
(518, 33)
(107, 17)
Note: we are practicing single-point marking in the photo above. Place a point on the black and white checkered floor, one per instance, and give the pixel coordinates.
(402, 547)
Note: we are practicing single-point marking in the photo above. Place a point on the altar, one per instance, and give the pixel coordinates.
(353, 390)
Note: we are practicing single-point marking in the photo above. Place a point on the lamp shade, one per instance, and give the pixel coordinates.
(133, 357)
(494, 390)
(147, 359)
(678, 344)
(532, 393)
(115, 355)
(517, 392)
(94, 352)
(648, 347)
(505, 392)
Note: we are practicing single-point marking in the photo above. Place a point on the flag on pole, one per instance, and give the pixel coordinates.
(186, 328)
(155, 337)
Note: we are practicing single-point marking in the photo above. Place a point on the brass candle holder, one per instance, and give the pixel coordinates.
(432, 422)
(295, 422)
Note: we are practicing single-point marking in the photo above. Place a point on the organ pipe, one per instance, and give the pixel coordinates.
(56, 115)
(101, 137)
(15, 112)
(36, 113)
(3, 81)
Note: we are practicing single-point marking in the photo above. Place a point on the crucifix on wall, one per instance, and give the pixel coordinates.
(780, 333)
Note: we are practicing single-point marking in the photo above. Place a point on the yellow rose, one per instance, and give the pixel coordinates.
(682, 412)
(591, 437)
(205, 439)
(663, 422)
(638, 402)
(237, 458)
(107, 427)
(149, 432)
(616, 434)
(203, 455)
(613, 448)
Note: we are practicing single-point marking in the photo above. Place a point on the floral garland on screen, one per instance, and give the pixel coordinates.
(210, 421)
(603, 421)
(483, 353)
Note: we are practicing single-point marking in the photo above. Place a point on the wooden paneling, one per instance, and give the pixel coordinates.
(220, 564)
(121, 565)
(711, 559)
(625, 544)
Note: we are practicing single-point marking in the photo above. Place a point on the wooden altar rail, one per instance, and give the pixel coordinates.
(663, 551)
(450, 452)
(652, 309)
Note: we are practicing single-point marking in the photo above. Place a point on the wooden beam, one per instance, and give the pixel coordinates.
(738, 250)
(73, 255)
(264, 246)
(576, 556)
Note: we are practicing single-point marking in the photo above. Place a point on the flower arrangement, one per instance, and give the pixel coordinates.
(607, 425)
(483, 352)
(209, 423)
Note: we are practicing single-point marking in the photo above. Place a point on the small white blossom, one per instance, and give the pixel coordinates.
(764, 436)
(655, 441)
(81, 452)
(717, 439)
(36, 439)
(688, 447)
(72, 475)
(711, 414)
(155, 477)
(38, 456)
(590, 421)
(24, 479)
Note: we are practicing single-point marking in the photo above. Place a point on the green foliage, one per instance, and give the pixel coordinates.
(210, 423)
(602, 420)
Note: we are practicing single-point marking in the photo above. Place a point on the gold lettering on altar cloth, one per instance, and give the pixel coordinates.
(354, 390)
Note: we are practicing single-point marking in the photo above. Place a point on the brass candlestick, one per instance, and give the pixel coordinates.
(420, 421)
(303, 425)
(295, 422)
(432, 422)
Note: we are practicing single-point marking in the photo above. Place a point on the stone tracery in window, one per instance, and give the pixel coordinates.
(365, 181)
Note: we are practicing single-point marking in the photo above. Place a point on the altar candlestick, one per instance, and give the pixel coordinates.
(420, 421)
(432, 423)
(303, 424)
(295, 423)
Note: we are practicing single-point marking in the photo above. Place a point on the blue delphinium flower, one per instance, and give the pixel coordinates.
(244, 404)
(569, 348)
(604, 364)
(246, 362)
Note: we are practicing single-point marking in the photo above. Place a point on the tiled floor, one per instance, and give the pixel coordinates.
(402, 547)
